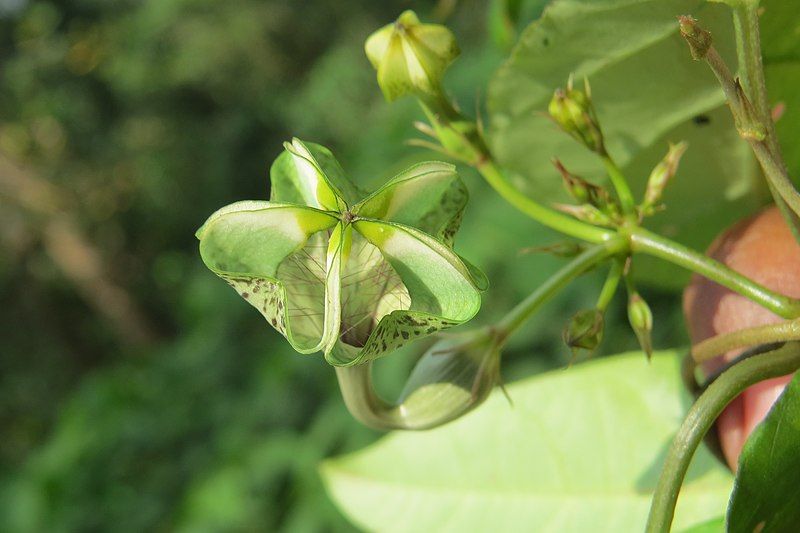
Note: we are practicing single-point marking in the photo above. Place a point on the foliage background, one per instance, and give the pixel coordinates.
(137, 392)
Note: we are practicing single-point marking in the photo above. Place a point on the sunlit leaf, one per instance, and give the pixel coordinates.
(579, 449)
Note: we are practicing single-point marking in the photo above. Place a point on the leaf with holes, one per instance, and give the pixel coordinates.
(354, 280)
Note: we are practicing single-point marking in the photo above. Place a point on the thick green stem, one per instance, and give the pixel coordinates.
(644, 241)
(771, 333)
(610, 286)
(585, 261)
(751, 67)
(701, 417)
(546, 216)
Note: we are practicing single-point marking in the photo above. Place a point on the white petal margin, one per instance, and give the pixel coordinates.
(315, 188)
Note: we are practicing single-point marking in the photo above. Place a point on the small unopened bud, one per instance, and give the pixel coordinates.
(573, 111)
(699, 39)
(584, 330)
(411, 57)
(586, 192)
(641, 318)
(660, 176)
(587, 213)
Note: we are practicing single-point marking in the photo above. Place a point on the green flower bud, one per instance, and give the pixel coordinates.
(411, 57)
(587, 193)
(641, 318)
(573, 111)
(699, 39)
(660, 176)
(584, 330)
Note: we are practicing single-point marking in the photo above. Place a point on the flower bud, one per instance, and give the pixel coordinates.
(411, 57)
(584, 330)
(641, 318)
(660, 176)
(573, 111)
(699, 39)
(587, 193)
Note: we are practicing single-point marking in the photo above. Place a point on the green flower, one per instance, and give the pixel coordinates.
(411, 57)
(353, 279)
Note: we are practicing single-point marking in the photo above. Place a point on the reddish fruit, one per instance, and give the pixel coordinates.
(762, 248)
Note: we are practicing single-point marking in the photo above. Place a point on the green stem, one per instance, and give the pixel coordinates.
(620, 185)
(781, 332)
(548, 217)
(701, 417)
(644, 241)
(611, 284)
(585, 261)
(751, 67)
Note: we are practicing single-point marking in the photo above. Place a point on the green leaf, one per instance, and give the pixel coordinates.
(766, 496)
(647, 92)
(715, 525)
(429, 196)
(274, 256)
(579, 450)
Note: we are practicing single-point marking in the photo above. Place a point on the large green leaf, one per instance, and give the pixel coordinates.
(578, 450)
(647, 92)
(766, 496)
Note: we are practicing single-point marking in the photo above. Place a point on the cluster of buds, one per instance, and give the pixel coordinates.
(661, 175)
(595, 204)
(573, 111)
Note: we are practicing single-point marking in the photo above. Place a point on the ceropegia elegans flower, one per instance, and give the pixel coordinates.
(411, 57)
(354, 278)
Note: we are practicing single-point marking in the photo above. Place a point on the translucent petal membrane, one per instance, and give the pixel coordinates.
(276, 257)
(371, 289)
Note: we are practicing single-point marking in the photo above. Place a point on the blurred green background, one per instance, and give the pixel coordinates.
(137, 391)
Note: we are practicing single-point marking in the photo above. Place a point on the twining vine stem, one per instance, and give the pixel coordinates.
(701, 417)
(580, 264)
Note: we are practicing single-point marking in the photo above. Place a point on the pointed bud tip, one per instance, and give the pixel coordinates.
(699, 40)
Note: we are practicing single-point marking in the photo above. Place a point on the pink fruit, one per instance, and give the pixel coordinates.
(762, 248)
